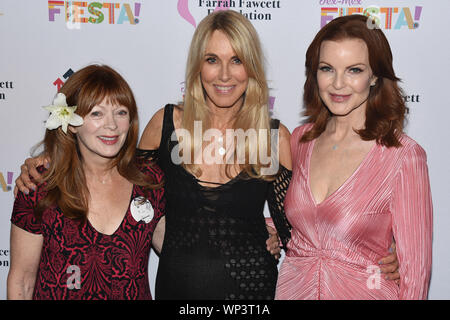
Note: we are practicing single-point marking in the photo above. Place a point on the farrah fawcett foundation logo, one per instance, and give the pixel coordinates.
(261, 10)
(5, 85)
(4, 258)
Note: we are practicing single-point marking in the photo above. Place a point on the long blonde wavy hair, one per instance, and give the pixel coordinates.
(254, 112)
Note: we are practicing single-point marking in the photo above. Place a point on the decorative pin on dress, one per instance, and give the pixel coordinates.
(141, 209)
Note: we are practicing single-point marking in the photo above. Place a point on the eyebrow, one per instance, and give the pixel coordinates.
(115, 106)
(353, 65)
(216, 56)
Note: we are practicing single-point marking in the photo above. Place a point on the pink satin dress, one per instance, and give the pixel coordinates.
(336, 244)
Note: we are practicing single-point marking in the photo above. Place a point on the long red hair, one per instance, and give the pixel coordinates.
(66, 182)
(386, 109)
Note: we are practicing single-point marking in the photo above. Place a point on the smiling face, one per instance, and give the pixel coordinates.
(104, 131)
(223, 75)
(344, 76)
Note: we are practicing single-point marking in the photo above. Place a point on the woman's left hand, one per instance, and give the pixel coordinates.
(389, 265)
(273, 243)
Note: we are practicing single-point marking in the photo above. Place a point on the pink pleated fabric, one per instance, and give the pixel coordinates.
(336, 245)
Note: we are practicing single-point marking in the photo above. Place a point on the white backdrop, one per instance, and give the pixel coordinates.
(147, 41)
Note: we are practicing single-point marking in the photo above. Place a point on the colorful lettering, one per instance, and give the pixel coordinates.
(125, 14)
(52, 10)
(137, 11)
(325, 17)
(97, 13)
(74, 12)
(417, 14)
(374, 14)
(77, 12)
(383, 17)
(6, 185)
(402, 20)
(388, 17)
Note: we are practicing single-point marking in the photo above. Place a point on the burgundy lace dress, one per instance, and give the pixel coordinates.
(82, 263)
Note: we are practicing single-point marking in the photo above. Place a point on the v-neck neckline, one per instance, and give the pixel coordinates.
(195, 179)
(219, 185)
(124, 219)
(344, 184)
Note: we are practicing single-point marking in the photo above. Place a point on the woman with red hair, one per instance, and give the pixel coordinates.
(358, 181)
(85, 232)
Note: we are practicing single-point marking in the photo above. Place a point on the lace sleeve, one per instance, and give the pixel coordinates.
(147, 155)
(275, 199)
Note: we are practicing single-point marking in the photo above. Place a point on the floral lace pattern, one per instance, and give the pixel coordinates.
(109, 266)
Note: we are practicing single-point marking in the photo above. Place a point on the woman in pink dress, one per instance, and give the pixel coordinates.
(358, 181)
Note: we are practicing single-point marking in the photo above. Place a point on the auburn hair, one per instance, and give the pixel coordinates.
(65, 178)
(386, 109)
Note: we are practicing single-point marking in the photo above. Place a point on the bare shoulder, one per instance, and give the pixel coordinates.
(284, 133)
(285, 147)
(151, 137)
(177, 115)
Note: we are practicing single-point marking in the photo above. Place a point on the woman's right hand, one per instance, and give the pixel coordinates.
(29, 175)
(158, 235)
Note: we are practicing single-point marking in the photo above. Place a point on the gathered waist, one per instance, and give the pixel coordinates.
(355, 260)
(321, 275)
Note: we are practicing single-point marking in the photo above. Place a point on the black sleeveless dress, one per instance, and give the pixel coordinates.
(215, 239)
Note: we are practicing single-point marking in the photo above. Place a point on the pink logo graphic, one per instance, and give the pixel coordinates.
(183, 10)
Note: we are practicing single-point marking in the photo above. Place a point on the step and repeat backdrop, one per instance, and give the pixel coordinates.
(44, 42)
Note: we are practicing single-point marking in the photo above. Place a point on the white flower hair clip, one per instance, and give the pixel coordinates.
(61, 114)
(141, 209)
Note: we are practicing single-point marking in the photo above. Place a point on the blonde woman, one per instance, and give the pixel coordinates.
(215, 237)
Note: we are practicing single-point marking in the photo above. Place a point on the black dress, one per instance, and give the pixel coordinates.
(215, 239)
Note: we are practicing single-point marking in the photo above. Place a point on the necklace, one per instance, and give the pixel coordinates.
(334, 147)
(221, 149)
